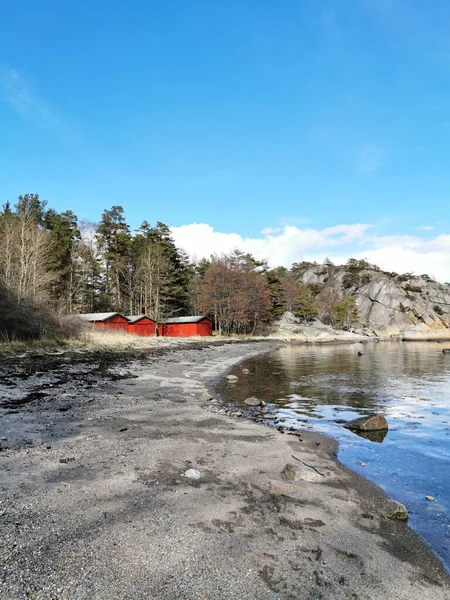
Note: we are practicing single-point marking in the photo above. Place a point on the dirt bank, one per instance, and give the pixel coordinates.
(95, 504)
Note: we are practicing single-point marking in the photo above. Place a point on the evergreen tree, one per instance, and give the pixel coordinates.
(345, 313)
(31, 206)
(88, 281)
(114, 241)
(164, 272)
(64, 235)
(275, 279)
(305, 307)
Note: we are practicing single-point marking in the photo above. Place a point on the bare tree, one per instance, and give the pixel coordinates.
(326, 301)
(24, 249)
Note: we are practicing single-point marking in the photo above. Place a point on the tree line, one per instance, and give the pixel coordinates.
(63, 265)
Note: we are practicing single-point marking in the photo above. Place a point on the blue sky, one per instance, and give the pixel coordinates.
(244, 115)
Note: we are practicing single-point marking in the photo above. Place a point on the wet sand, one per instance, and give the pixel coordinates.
(94, 502)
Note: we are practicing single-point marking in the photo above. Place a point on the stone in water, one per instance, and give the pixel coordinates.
(372, 423)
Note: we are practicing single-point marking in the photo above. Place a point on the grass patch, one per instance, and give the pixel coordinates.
(33, 346)
(104, 340)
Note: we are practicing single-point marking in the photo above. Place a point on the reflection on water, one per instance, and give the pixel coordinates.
(372, 436)
(320, 387)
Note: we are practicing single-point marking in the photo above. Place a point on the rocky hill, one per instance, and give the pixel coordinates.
(388, 303)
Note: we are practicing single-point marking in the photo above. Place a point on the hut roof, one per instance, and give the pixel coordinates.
(135, 318)
(179, 320)
(99, 316)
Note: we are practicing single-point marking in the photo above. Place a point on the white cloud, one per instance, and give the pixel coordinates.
(280, 246)
(400, 253)
(16, 92)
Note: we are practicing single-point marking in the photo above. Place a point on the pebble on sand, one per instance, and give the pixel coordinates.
(252, 401)
(192, 474)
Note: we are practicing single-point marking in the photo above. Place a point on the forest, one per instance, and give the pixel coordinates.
(53, 264)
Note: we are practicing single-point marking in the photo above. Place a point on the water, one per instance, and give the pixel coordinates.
(310, 387)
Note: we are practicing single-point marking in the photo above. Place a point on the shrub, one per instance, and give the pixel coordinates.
(350, 280)
(28, 320)
(314, 288)
(355, 279)
(345, 313)
(412, 288)
(356, 273)
(354, 265)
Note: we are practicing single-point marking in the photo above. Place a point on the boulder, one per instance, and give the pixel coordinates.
(395, 510)
(301, 472)
(232, 378)
(252, 401)
(372, 423)
(388, 303)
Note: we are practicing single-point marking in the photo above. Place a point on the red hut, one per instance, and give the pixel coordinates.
(106, 320)
(187, 326)
(141, 325)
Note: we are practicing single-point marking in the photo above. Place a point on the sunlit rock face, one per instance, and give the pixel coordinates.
(388, 303)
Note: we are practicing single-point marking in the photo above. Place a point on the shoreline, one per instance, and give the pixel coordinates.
(125, 523)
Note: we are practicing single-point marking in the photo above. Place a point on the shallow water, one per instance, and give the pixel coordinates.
(310, 387)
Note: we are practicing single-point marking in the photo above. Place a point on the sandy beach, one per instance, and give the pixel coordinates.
(95, 502)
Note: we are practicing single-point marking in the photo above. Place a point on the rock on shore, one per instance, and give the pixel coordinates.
(412, 307)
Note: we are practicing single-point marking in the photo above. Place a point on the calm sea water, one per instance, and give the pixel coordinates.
(310, 387)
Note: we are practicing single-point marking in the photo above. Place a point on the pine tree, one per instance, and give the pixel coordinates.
(275, 279)
(64, 235)
(31, 206)
(114, 240)
(345, 313)
(305, 307)
(164, 272)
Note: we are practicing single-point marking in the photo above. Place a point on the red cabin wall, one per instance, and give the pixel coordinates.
(117, 323)
(203, 328)
(144, 328)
